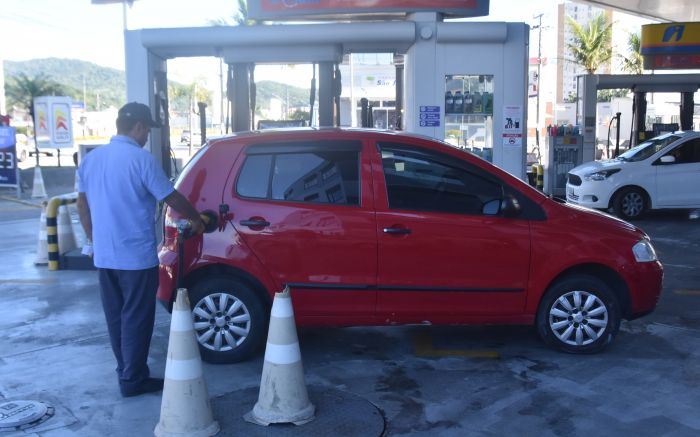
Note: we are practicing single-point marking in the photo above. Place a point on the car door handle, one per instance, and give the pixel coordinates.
(397, 231)
(255, 223)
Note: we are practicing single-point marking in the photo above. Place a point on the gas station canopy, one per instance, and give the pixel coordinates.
(663, 10)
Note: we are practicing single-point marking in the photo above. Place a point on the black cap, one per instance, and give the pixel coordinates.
(139, 112)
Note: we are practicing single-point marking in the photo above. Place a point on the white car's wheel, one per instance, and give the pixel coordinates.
(630, 203)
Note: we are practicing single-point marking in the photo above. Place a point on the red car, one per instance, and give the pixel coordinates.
(383, 228)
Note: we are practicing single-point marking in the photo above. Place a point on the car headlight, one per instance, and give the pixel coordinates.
(600, 175)
(644, 252)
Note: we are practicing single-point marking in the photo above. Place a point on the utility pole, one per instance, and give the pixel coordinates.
(539, 71)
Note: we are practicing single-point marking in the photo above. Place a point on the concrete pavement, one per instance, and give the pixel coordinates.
(54, 348)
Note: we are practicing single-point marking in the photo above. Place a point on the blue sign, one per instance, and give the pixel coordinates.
(8, 156)
(429, 116)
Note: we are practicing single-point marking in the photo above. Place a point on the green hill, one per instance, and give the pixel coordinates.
(104, 85)
(107, 86)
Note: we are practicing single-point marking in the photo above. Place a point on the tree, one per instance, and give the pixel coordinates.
(633, 63)
(20, 90)
(592, 45)
(239, 18)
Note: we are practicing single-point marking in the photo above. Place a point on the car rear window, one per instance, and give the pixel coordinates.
(313, 176)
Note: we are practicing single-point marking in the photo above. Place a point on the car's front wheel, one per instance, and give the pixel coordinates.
(579, 314)
(630, 203)
(229, 319)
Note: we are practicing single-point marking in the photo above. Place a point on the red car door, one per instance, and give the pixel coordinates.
(445, 254)
(305, 209)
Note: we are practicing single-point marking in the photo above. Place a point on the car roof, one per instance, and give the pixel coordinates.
(294, 132)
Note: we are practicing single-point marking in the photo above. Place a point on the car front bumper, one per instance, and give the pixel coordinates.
(589, 194)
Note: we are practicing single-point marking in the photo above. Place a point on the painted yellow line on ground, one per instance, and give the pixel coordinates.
(423, 344)
(688, 292)
(28, 281)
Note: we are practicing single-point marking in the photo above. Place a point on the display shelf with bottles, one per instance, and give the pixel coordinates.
(469, 113)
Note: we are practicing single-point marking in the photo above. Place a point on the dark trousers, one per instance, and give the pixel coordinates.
(129, 303)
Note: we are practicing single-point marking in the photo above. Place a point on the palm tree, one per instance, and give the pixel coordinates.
(592, 45)
(22, 89)
(633, 63)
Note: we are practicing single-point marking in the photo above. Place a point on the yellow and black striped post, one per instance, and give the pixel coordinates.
(52, 226)
(540, 177)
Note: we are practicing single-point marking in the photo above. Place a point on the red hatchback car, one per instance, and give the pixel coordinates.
(382, 228)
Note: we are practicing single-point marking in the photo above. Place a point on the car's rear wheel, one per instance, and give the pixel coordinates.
(630, 203)
(579, 314)
(229, 319)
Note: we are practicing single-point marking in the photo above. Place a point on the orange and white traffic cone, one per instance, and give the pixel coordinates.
(42, 247)
(283, 397)
(38, 189)
(185, 409)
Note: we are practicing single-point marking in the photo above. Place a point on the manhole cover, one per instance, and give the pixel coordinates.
(17, 415)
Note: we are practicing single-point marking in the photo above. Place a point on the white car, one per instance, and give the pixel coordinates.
(663, 172)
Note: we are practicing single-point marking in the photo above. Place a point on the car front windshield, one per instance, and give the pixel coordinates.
(648, 148)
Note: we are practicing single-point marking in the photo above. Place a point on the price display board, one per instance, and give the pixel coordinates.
(9, 172)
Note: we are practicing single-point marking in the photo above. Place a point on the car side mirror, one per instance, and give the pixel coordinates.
(668, 159)
(510, 207)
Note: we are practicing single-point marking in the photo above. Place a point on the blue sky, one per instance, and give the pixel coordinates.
(78, 29)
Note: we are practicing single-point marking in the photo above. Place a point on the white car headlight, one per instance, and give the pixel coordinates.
(644, 252)
(600, 175)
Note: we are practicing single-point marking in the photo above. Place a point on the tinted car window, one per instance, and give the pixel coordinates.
(418, 181)
(316, 177)
(687, 152)
(255, 176)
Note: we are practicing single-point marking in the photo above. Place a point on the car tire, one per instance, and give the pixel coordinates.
(579, 314)
(630, 203)
(229, 319)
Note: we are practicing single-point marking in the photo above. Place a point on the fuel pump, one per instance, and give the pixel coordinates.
(312, 96)
(162, 116)
(337, 90)
(202, 122)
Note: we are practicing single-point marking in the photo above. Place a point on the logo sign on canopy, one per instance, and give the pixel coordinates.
(298, 9)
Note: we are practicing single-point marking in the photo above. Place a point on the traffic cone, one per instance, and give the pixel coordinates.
(38, 189)
(283, 397)
(66, 237)
(185, 409)
(42, 247)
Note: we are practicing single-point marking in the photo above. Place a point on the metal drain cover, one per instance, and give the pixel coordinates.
(15, 415)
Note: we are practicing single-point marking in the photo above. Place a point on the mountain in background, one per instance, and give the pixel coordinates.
(104, 87)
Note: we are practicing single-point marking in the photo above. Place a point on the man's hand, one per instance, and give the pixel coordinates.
(197, 226)
(180, 204)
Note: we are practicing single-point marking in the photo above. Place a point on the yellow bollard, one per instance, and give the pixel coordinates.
(52, 226)
(540, 177)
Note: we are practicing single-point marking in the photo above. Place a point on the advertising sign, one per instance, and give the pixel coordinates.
(296, 9)
(54, 127)
(8, 157)
(671, 45)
